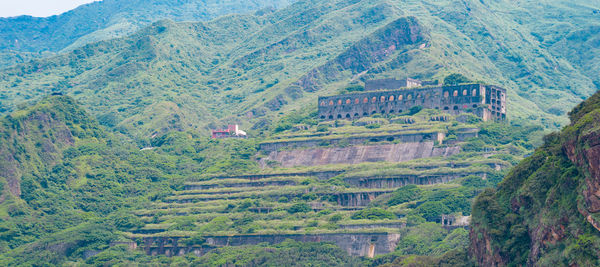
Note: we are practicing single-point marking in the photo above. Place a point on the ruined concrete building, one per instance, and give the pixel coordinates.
(384, 97)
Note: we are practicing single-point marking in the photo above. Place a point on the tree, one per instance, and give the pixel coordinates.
(432, 210)
(455, 79)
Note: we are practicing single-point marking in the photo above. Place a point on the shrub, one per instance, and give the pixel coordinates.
(299, 207)
(322, 128)
(405, 194)
(455, 79)
(414, 110)
(336, 218)
(432, 210)
(412, 220)
(373, 126)
(373, 214)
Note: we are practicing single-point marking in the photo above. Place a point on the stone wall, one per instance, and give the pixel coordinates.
(358, 154)
(488, 102)
(356, 244)
(351, 140)
(406, 179)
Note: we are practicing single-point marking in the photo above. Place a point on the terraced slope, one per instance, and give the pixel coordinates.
(352, 204)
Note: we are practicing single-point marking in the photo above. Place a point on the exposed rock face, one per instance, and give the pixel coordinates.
(545, 211)
(357, 154)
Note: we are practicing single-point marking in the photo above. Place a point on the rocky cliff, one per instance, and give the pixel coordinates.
(545, 212)
(32, 140)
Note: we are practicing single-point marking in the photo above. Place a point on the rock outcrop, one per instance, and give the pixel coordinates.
(546, 210)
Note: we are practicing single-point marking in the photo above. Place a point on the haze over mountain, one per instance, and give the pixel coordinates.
(241, 68)
(26, 37)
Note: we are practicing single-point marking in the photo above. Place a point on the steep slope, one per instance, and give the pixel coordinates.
(59, 170)
(107, 19)
(546, 211)
(252, 68)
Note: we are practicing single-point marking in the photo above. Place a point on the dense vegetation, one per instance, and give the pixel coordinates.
(251, 69)
(73, 188)
(125, 159)
(540, 214)
(107, 19)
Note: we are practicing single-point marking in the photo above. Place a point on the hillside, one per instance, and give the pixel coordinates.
(546, 210)
(107, 19)
(252, 68)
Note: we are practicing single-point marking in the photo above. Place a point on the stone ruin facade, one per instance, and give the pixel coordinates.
(486, 101)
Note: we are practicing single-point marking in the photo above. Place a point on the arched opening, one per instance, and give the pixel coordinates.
(339, 102)
(356, 101)
(365, 100)
(382, 111)
(455, 107)
(408, 97)
(475, 106)
(348, 101)
(348, 116)
(323, 103)
(400, 97)
(474, 93)
(356, 115)
(391, 111)
(374, 112)
(339, 116)
(365, 114)
(382, 99)
(331, 117)
(465, 92)
(374, 99)
(399, 111)
(331, 102)
(446, 108)
(455, 93)
(323, 117)
(391, 98)
(446, 94)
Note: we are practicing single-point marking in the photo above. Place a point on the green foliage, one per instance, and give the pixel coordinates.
(322, 128)
(405, 194)
(455, 79)
(107, 20)
(299, 207)
(432, 210)
(424, 240)
(373, 214)
(287, 253)
(373, 126)
(414, 110)
(544, 187)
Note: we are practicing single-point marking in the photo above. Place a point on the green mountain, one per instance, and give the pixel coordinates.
(252, 68)
(546, 211)
(29, 36)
